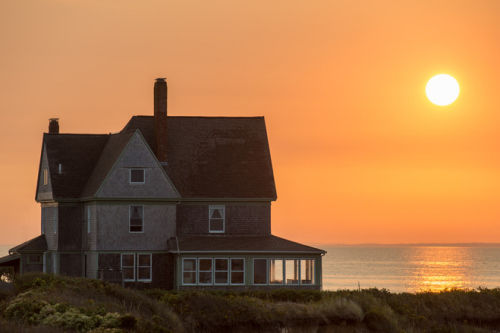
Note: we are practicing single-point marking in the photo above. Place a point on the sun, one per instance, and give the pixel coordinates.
(442, 89)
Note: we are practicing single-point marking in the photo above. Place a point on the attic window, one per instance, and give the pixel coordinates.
(216, 219)
(45, 176)
(137, 176)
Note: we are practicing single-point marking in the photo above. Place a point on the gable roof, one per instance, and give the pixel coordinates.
(234, 243)
(37, 244)
(215, 157)
(208, 157)
(77, 154)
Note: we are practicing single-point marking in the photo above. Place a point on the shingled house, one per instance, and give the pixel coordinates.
(169, 202)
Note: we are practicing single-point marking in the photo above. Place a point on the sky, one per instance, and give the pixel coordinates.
(359, 153)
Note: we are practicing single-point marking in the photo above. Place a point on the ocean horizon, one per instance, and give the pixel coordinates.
(406, 267)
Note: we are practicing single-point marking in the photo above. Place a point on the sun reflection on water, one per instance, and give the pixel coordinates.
(438, 268)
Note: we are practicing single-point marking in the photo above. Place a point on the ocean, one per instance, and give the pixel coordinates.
(406, 268)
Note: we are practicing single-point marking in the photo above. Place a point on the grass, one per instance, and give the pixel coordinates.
(45, 303)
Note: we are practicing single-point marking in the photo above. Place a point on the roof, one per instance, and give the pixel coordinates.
(9, 258)
(37, 244)
(208, 157)
(215, 157)
(234, 243)
(78, 155)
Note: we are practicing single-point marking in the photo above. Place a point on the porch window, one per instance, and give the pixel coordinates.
(136, 219)
(205, 271)
(128, 266)
(188, 271)
(307, 271)
(216, 221)
(221, 271)
(137, 176)
(292, 271)
(260, 271)
(144, 267)
(35, 259)
(276, 271)
(237, 271)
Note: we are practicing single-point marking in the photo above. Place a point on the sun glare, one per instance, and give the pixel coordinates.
(442, 89)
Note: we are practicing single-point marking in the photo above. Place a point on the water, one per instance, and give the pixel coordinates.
(411, 268)
(4, 249)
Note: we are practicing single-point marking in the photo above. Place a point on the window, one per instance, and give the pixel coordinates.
(35, 259)
(216, 219)
(276, 271)
(205, 271)
(136, 218)
(137, 176)
(144, 267)
(260, 271)
(221, 271)
(45, 176)
(89, 211)
(237, 271)
(307, 271)
(189, 271)
(292, 271)
(128, 266)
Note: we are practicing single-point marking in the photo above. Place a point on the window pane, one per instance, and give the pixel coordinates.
(216, 214)
(189, 277)
(307, 271)
(128, 260)
(143, 273)
(292, 271)
(205, 264)
(144, 260)
(236, 277)
(260, 271)
(205, 277)
(189, 264)
(221, 264)
(134, 228)
(236, 264)
(220, 277)
(136, 212)
(137, 176)
(216, 225)
(128, 273)
(276, 273)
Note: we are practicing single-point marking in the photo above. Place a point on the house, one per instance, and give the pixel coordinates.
(169, 202)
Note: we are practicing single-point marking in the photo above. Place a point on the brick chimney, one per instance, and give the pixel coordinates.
(54, 126)
(160, 104)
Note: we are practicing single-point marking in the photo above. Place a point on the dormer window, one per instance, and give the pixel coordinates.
(137, 176)
(216, 219)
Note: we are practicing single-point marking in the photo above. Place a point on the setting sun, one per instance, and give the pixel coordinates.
(442, 89)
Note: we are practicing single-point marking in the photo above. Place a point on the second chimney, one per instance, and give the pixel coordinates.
(160, 119)
(54, 126)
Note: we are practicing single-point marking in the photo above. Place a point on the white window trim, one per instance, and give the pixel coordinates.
(130, 215)
(231, 270)
(198, 271)
(195, 272)
(150, 266)
(133, 267)
(130, 176)
(223, 208)
(228, 270)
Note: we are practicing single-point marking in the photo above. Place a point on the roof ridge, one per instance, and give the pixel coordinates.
(210, 117)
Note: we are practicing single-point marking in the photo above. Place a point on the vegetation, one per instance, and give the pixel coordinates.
(46, 303)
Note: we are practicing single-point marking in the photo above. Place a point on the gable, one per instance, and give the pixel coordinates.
(44, 185)
(136, 155)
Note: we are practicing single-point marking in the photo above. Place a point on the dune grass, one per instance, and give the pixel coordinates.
(46, 303)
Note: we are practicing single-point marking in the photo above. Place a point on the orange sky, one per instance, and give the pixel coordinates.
(359, 153)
